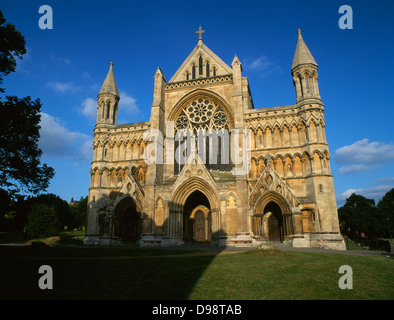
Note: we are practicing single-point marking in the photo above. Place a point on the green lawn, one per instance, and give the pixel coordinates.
(135, 273)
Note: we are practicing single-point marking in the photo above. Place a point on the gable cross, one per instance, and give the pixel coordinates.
(200, 32)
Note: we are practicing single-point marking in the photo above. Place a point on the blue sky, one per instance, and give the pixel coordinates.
(66, 66)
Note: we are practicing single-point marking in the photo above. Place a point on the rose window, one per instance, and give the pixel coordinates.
(202, 114)
(220, 120)
(181, 122)
(200, 111)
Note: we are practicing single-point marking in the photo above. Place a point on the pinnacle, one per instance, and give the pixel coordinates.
(302, 54)
(109, 85)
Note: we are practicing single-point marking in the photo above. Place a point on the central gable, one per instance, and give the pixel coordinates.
(201, 56)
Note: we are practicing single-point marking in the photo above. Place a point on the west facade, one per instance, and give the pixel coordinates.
(210, 167)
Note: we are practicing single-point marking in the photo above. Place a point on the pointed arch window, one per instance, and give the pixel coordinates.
(214, 71)
(187, 75)
(200, 65)
(307, 83)
(202, 127)
(114, 115)
(108, 108)
(207, 70)
(193, 71)
(301, 86)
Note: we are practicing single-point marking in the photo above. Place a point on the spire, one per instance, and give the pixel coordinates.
(302, 54)
(109, 85)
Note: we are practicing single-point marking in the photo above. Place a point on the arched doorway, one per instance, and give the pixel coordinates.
(272, 220)
(127, 222)
(197, 220)
(202, 224)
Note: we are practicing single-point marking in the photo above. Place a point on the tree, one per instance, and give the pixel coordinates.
(78, 211)
(386, 204)
(12, 44)
(20, 167)
(360, 215)
(42, 222)
(60, 206)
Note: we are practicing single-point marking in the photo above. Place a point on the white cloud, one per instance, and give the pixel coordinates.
(59, 142)
(61, 87)
(359, 168)
(387, 180)
(60, 60)
(128, 108)
(375, 193)
(89, 108)
(85, 151)
(364, 155)
(363, 151)
(85, 75)
(262, 65)
(128, 104)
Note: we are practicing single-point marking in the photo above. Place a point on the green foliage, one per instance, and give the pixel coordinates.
(4, 203)
(20, 167)
(42, 222)
(79, 211)
(386, 204)
(12, 44)
(360, 215)
(68, 215)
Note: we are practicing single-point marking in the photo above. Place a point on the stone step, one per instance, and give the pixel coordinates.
(239, 242)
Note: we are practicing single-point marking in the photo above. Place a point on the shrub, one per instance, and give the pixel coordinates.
(42, 222)
(375, 244)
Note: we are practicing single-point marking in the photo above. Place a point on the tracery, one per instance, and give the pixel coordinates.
(202, 126)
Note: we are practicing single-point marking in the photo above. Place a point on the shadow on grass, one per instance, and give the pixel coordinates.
(101, 273)
(108, 273)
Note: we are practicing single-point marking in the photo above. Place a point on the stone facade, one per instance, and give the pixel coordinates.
(210, 167)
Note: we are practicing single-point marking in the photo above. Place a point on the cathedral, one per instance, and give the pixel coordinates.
(209, 167)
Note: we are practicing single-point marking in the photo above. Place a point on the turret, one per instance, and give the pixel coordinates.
(107, 100)
(304, 72)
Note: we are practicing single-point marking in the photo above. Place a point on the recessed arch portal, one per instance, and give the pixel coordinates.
(272, 219)
(127, 220)
(194, 205)
(192, 184)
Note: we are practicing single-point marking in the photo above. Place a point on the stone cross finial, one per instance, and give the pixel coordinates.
(200, 32)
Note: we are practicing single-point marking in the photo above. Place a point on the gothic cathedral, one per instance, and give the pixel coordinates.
(209, 167)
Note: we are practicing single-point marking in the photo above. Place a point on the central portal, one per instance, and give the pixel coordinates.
(197, 220)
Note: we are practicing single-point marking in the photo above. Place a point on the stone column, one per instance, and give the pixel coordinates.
(206, 222)
(298, 236)
(175, 225)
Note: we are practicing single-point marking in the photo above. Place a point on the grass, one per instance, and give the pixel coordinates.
(64, 238)
(136, 273)
(275, 274)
